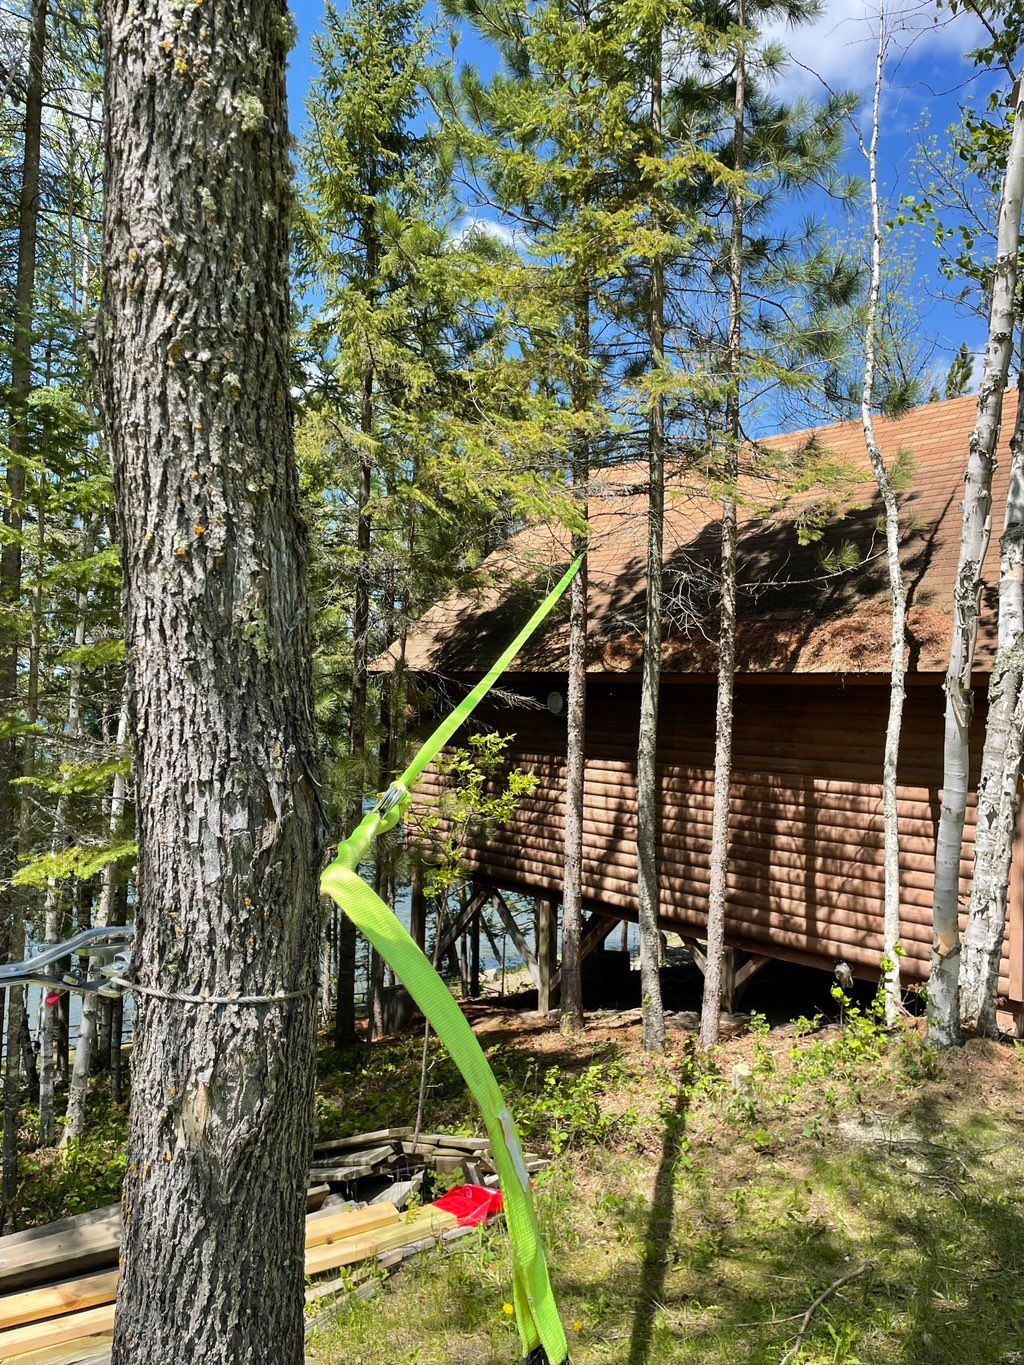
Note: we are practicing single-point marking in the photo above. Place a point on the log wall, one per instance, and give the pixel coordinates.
(805, 866)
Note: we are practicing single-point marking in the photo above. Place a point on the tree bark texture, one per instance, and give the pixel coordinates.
(999, 783)
(944, 981)
(193, 350)
(711, 1007)
(890, 982)
(576, 707)
(647, 788)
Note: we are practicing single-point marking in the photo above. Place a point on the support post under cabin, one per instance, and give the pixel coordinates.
(418, 909)
(474, 957)
(547, 953)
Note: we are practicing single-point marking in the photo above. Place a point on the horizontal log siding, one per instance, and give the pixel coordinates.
(805, 866)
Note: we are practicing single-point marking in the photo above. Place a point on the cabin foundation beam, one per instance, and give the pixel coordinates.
(736, 975)
(547, 954)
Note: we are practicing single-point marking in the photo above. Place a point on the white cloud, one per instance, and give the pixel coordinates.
(839, 47)
(468, 227)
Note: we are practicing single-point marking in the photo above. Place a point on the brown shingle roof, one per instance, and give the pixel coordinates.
(795, 614)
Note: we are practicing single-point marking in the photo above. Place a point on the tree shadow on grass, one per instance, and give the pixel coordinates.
(660, 1220)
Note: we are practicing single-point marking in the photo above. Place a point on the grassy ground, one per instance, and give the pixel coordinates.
(695, 1213)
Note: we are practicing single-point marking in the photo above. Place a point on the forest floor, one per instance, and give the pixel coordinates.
(694, 1209)
(695, 1212)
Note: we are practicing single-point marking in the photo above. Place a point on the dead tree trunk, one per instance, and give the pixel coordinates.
(576, 703)
(193, 352)
(944, 982)
(890, 983)
(999, 784)
(712, 1004)
(648, 895)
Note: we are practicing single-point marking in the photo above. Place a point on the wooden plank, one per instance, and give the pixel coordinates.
(361, 1140)
(32, 1305)
(359, 1156)
(350, 1223)
(110, 1213)
(35, 1336)
(83, 1351)
(324, 1228)
(349, 1250)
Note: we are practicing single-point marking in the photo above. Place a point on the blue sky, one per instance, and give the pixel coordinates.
(927, 78)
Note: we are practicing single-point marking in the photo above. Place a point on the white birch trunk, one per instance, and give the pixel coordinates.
(78, 1085)
(999, 784)
(890, 982)
(648, 898)
(52, 904)
(943, 986)
(576, 709)
(711, 1007)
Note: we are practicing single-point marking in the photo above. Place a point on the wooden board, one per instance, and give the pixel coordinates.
(349, 1250)
(77, 1246)
(35, 1336)
(35, 1305)
(32, 1305)
(361, 1140)
(110, 1214)
(83, 1351)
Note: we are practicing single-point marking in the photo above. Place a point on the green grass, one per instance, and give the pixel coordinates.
(703, 1221)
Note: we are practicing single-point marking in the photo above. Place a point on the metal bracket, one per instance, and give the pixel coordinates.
(110, 945)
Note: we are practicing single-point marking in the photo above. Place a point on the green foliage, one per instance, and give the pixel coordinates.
(563, 1110)
(479, 791)
(82, 1176)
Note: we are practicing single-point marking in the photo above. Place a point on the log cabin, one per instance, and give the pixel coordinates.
(805, 879)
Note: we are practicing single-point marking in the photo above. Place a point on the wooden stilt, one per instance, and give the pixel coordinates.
(547, 953)
(474, 957)
(729, 981)
(418, 910)
(736, 976)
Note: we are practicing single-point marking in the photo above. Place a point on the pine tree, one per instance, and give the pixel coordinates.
(194, 365)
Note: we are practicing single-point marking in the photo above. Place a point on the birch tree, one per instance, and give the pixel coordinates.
(897, 588)
(711, 1006)
(193, 353)
(648, 891)
(944, 1027)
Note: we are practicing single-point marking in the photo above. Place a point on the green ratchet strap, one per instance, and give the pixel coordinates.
(540, 1328)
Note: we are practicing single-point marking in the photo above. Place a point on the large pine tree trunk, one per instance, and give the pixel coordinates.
(193, 341)
(943, 984)
(897, 588)
(711, 1008)
(576, 707)
(999, 784)
(648, 897)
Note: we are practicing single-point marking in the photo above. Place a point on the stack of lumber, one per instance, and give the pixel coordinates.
(48, 1314)
(58, 1282)
(390, 1152)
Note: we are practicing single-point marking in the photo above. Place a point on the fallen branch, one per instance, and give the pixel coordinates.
(794, 1350)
